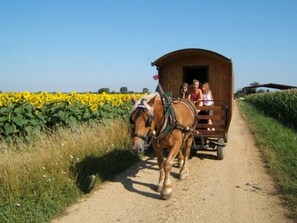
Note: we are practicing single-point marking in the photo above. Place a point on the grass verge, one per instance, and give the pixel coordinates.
(41, 179)
(278, 145)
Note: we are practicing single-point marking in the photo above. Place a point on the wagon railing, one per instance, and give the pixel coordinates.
(219, 120)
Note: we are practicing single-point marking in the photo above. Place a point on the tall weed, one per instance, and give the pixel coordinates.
(41, 178)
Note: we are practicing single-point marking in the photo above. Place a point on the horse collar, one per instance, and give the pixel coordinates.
(169, 118)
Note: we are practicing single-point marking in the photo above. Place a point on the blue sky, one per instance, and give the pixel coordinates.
(71, 45)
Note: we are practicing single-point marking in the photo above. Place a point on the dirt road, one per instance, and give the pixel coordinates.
(236, 189)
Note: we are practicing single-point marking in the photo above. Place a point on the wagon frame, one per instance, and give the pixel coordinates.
(184, 65)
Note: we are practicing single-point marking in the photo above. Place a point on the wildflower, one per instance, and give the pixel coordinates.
(44, 176)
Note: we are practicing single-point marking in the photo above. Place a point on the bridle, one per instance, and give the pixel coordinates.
(142, 108)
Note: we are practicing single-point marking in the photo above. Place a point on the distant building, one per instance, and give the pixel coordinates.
(246, 89)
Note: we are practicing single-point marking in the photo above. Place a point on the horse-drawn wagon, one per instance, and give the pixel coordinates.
(171, 122)
(185, 65)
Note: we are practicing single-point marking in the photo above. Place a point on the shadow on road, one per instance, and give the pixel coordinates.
(108, 168)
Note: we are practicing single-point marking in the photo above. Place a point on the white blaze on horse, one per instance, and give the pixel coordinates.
(165, 124)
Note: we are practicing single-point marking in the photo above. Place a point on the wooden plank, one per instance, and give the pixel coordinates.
(212, 133)
(206, 108)
(212, 117)
(217, 126)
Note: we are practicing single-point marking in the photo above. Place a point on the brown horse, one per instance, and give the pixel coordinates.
(166, 124)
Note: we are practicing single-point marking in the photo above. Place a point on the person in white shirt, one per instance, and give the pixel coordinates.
(207, 101)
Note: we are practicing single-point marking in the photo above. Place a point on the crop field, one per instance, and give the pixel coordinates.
(281, 105)
(25, 113)
(55, 146)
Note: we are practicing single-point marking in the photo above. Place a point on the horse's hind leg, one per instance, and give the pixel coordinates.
(180, 159)
(184, 172)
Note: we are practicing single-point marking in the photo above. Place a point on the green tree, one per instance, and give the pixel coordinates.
(253, 90)
(101, 90)
(145, 90)
(123, 90)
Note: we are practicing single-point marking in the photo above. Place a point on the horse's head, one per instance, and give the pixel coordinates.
(142, 122)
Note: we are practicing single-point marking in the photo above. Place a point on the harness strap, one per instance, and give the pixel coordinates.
(169, 114)
(184, 128)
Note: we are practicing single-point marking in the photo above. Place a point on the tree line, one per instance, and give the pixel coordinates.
(123, 90)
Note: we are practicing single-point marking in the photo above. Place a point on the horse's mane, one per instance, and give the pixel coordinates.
(144, 102)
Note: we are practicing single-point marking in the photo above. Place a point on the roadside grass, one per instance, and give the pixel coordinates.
(278, 145)
(40, 179)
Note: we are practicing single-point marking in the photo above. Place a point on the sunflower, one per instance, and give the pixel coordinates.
(34, 100)
(94, 107)
(25, 95)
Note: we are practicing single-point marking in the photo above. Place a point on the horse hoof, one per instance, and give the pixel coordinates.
(183, 176)
(166, 193)
(158, 188)
(166, 196)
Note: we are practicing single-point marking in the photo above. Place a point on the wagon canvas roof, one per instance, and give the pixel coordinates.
(167, 58)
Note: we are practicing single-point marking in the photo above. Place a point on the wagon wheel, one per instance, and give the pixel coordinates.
(220, 149)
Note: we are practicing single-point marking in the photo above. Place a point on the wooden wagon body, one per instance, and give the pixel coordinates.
(184, 65)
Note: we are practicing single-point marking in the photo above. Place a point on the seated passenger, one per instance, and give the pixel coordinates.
(207, 101)
(184, 90)
(196, 94)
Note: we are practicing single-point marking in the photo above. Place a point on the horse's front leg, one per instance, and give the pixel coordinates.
(166, 191)
(184, 171)
(160, 161)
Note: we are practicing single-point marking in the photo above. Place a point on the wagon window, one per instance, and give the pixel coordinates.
(195, 72)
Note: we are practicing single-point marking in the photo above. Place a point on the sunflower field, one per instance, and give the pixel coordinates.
(25, 113)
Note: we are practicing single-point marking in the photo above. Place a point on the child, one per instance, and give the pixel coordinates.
(184, 90)
(207, 101)
(196, 94)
